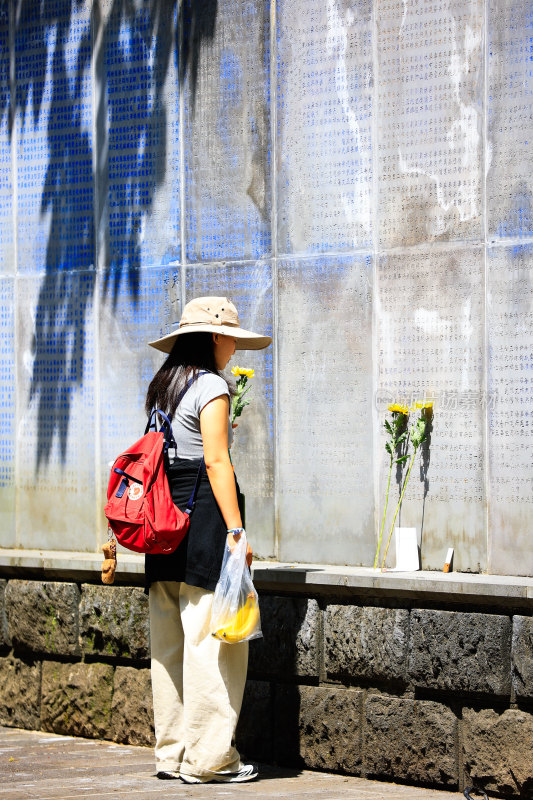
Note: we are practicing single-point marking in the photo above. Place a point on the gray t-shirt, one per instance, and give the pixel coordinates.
(186, 422)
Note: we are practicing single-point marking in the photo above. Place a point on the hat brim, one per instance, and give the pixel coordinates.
(244, 340)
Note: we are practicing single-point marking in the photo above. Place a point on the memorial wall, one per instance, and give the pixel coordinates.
(355, 176)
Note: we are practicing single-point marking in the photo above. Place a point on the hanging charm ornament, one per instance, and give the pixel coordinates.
(109, 566)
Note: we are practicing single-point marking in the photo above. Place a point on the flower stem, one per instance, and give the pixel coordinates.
(398, 508)
(384, 515)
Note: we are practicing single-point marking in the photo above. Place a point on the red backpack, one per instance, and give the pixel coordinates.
(139, 508)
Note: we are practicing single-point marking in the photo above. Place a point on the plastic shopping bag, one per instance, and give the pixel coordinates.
(235, 611)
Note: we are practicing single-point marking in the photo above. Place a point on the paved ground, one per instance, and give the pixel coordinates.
(42, 766)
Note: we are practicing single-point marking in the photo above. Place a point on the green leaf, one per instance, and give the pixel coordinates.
(418, 433)
(388, 448)
(402, 459)
(388, 426)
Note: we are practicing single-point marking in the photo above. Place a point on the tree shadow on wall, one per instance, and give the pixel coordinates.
(66, 291)
(131, 119)
(132, 48)
(198, 24)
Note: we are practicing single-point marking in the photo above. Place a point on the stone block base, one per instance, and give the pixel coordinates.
(76, 699)
(411, 740)
(318, 727)
(20, 690)
(396, 691)
(132, 712)
(498, 750)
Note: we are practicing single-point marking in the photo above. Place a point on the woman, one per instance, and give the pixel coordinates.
(197, 681)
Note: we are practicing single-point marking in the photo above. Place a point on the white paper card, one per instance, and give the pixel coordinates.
(407, 557)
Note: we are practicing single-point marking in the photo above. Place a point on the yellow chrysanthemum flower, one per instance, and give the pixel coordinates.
(425, 405)
(397, 408)
(238, 371)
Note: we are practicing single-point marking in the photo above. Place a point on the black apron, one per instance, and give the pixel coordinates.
(198, 558)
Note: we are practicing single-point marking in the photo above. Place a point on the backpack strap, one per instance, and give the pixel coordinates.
(192, 499)
(166, 426)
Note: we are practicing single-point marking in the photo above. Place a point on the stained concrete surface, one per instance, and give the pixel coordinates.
(40, 766)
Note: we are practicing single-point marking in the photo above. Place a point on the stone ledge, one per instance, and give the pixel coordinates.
(57, 565)
(322, 579)
(455, 587)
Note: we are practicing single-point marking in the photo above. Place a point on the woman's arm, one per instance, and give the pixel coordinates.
(214, 419)
(214, 429)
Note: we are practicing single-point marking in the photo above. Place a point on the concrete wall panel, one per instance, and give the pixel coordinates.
(146, 127)
(54, 137)
(137, 101)
(510, 412)
(7, 255)
(325, 401)
(249, 286)
(127, 363)
(226, 61)
(430, 145)
(431, 346)
(7, 412)
(324, 121)
(510, 122)
(55, 447)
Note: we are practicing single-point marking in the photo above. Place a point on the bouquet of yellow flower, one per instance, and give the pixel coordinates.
(398, 434)
(238, 401)
(397, 430)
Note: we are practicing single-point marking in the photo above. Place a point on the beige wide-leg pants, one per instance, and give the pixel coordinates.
(197, 683)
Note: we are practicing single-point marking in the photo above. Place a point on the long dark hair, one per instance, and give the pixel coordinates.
(191, 353)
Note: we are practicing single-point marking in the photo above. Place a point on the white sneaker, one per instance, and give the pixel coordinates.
(248, 772)
(167, 775)
(194, 779)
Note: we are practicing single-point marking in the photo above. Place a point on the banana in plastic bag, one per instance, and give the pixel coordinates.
(235, 613)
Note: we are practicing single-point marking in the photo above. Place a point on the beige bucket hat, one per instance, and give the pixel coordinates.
(213, 315)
